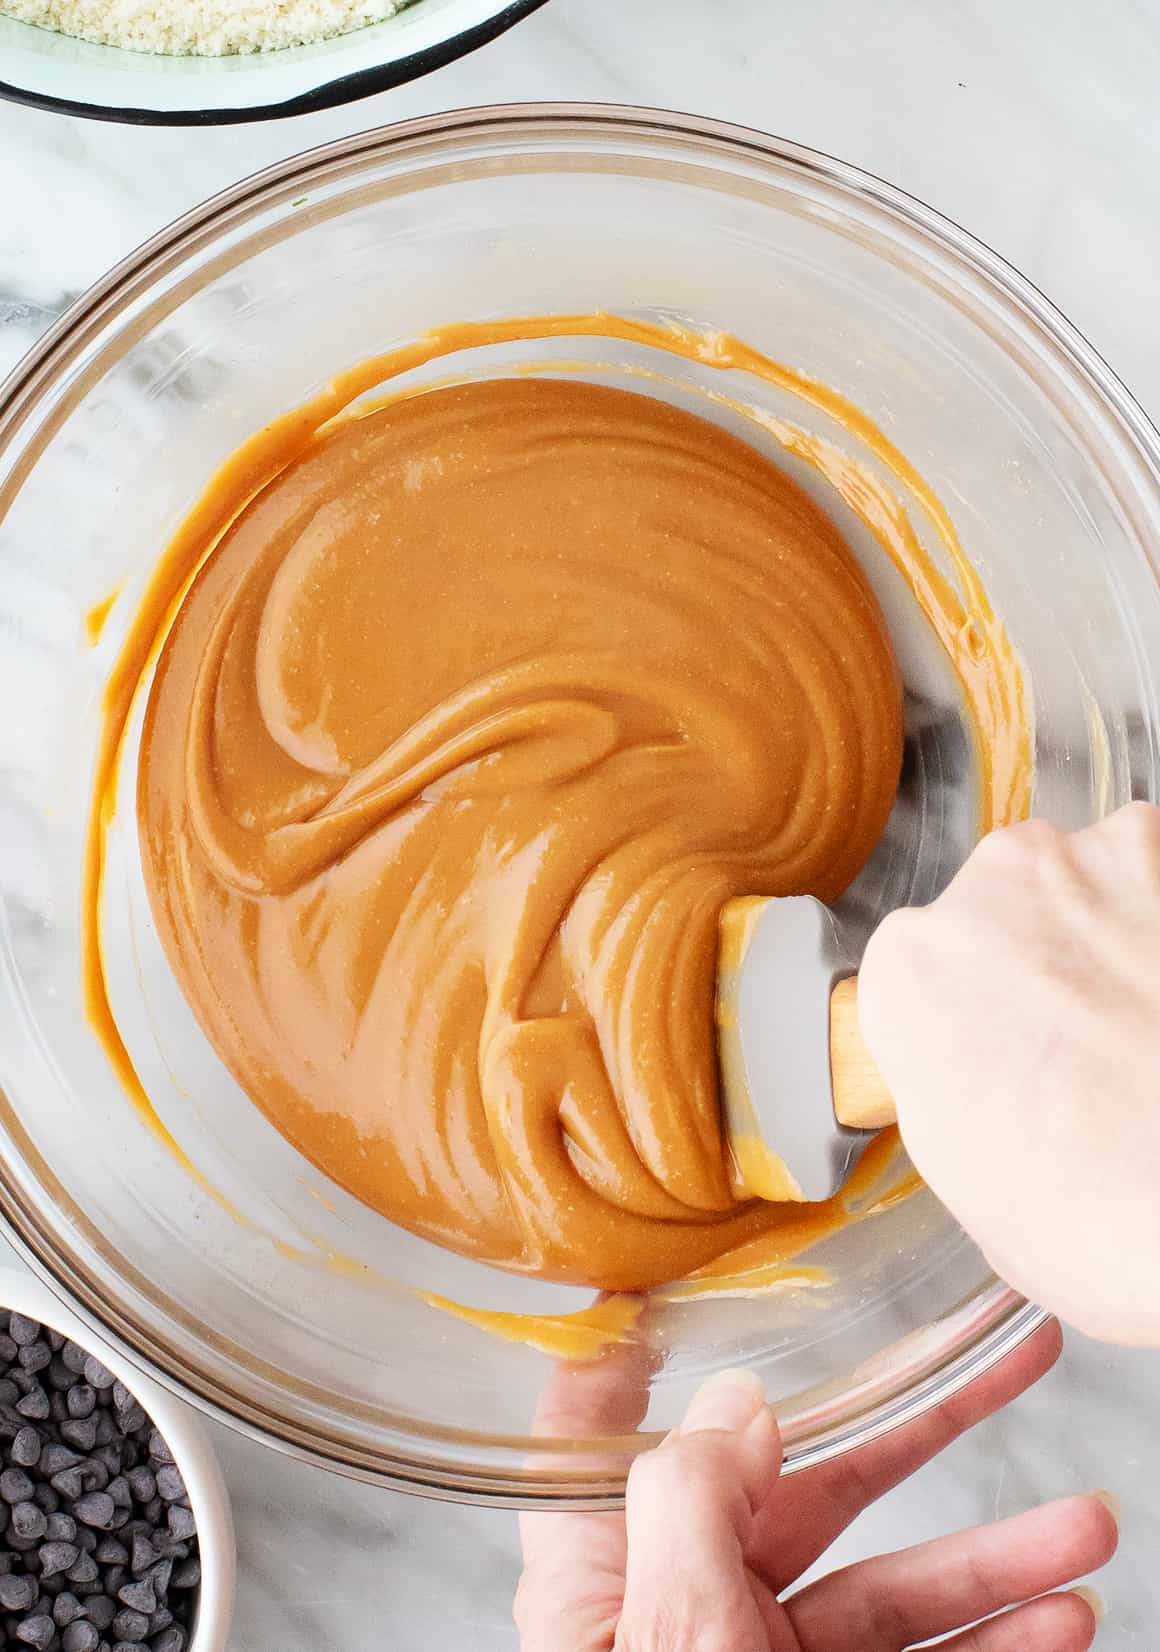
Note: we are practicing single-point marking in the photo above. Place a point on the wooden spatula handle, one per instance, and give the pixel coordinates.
(860, 1098)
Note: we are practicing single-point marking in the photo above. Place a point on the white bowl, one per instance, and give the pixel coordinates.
(76, 77)
(187, 1441)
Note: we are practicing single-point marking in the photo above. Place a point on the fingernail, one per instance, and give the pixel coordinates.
(1096, 1602)
(1112, 1503)
(727, 1402)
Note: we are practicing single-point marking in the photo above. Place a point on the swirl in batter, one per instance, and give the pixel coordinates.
(460, 739)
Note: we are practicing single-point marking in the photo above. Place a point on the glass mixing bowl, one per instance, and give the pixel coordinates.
(284, 1306)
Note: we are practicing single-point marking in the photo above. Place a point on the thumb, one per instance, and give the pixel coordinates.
(689, 1510)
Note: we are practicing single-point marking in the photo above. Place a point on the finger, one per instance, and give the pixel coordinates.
(572, 1587)
(806, 1512)
(569, 1597)
(1057, 1623)
(898, 1599)
(689, 1510)
(598, 1398)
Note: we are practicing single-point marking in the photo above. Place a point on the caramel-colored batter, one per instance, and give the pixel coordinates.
(747, 1250)
(457, 745)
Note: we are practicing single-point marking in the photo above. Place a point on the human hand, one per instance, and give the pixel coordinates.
(1016, 1022)
(711, 1539)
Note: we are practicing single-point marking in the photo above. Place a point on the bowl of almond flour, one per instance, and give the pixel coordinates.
(196, 62)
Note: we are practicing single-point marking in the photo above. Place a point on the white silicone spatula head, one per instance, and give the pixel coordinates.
(780, 963)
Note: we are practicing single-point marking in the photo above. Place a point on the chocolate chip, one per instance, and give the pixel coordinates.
(95, 1475)
(60, 1377)
(28, 1520)
(35, 1357)
(106, 1426)
(82, 1401)
(84, 1569)
(65, 1608)
(80, 1432)
(110, 1456)
(158, 1449)
(80, 1637)
(181, 1521)
(96, 1375)
(74, 1356)
(62, 1528)
(139, 1595)
(57, 1557)
(129, 1625)
(101, 1610)
(96, 1508)
(15, 1486)
(142, 1483)
(34, 1404)
(114, 1577)
(23, 1331)
(170, 1485)
(69, 1482)
(26, 1447)
(17, 1594)
(36, 1631)
(54, 1457)
(159, 1577)
(188, 1574)
(169, 1640)
(143, 1553)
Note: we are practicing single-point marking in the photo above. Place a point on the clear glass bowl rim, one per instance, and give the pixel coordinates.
(997, 1319)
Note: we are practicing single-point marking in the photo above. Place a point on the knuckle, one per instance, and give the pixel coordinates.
(552, 1615)
(647, 1470)
(658, 1628)
(1138, 816)
(666, 1627)
(695, 1472)
(1013, 847)
(895, 940)
(1138, 826)
(719, 1638)
(888, 1625)
(678, 1461)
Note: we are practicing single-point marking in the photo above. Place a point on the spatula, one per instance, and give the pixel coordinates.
(801, 1094)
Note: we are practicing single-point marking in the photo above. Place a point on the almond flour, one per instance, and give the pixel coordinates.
(201, 28)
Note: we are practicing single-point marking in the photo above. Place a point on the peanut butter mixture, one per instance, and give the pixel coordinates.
(467, 727)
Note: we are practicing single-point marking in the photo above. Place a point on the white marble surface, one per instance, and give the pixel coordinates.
(1036, 124)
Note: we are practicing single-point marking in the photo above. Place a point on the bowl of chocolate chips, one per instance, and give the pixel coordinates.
(115, 1526)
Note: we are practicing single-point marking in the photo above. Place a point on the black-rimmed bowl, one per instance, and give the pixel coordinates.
(77, 77)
